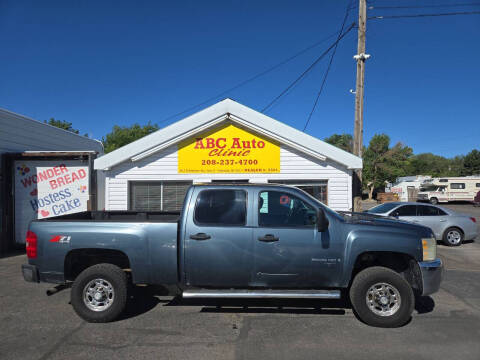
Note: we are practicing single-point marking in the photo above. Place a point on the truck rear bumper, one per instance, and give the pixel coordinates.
(30, 273)
(432, 274)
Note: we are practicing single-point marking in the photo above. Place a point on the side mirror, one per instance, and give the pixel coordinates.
(322, 221)
(395, 214)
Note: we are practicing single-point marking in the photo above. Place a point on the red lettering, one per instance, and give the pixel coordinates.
(217, 143)
(199, 144)
(213, 152)
(236, 143)
(253, 143)
(42, 176)
(67, 179)
(261, 144)
(246, 144)
(75, 177)
(61, 181)
(57, 170)
(82, 173)
(210, 143)
(50, 173)
(53, 184)
(26, 181)
(63, 168)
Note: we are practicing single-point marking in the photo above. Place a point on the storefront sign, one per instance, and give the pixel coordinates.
(228, 150)
(48, 188)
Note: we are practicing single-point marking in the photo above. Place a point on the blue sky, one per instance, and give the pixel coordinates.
(100, 63)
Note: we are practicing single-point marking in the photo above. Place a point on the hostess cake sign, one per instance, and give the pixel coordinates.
(48, 188)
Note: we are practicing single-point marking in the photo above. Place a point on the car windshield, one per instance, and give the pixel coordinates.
(382, 208)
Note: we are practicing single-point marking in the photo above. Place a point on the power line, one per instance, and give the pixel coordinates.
(423, 15)
(328, 67)
(309, 68)
(242, 83)
(422, 6)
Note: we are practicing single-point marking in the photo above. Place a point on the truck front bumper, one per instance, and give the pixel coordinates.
(30, 273)
(432, 274)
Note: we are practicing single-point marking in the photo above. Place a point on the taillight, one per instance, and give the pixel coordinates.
(31, 244)
(473, 219)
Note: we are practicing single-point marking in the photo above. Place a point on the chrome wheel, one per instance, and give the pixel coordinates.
(454, 237)
(98, 295)
(383, 299)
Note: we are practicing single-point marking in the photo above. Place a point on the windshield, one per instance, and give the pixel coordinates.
(382, 208)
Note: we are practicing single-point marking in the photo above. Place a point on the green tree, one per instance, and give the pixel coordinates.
(435, 165)
(62, 124)
(123, 135)
(382, 163)
(342, 141)
(471, 163)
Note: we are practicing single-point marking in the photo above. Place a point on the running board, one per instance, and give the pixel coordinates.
(262, 294)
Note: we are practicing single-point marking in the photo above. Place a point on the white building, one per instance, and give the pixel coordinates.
(224, 142)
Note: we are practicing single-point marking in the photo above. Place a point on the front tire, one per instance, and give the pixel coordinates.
(453, 237)
(433, 201)
(381, 297)
(99, 293)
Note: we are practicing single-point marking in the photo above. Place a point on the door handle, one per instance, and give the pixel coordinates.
(268, 238)
(443, 220)
(200, 236)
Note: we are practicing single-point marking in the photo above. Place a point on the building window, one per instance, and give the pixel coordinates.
(316, 188)
(457, 186)
(477, 185)
(443, 180)
(157, 195)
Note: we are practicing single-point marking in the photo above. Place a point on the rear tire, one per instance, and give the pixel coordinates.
(99, 293)
(453, 237)
(433, 201)
(382, 298)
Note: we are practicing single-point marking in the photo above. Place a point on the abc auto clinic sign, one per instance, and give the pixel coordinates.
(228, 149)
(47, 188)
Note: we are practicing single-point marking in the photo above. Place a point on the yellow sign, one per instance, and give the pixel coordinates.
(228, 149)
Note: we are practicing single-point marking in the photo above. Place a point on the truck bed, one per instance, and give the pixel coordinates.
(120, 216)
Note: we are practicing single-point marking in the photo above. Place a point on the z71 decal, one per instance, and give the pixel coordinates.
(61, 239)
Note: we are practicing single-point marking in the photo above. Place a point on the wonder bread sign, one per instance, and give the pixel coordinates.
(228, 149)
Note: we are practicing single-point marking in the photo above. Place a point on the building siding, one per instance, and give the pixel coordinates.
(293, 165)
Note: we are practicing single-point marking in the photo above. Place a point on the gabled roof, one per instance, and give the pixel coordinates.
(228, 110)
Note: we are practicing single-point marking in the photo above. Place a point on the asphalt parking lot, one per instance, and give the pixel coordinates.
(444, 326)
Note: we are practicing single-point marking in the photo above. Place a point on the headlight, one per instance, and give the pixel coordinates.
(429, 246)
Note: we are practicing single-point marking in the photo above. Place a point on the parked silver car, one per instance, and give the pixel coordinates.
(447, 225)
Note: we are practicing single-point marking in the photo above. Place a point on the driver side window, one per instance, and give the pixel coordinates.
(279, 209)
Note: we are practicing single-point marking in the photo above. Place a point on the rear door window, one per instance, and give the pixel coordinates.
(221, 207)
(406, 210)
(425, 210)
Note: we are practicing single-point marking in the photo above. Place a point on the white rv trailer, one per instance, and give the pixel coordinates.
(447, 189)
(404, 184)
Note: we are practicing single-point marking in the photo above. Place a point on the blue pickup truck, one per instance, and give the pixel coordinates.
(238, 241)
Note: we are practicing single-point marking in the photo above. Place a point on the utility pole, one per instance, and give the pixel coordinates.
(358, 128)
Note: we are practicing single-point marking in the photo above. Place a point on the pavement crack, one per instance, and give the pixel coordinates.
(62, 341)
(241, 344)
